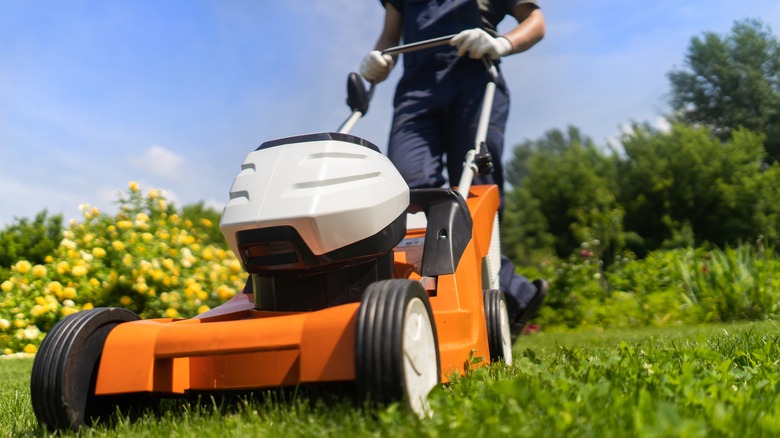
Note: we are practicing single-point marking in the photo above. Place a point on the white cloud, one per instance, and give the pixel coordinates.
(662, 124)
(159, 161)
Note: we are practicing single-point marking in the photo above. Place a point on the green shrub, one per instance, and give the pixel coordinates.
(667, 287)
(31, 241)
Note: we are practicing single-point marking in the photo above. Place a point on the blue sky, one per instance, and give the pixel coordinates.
(173, 94)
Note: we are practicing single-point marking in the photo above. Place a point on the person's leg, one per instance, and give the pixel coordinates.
(415, 145)
(523, 298)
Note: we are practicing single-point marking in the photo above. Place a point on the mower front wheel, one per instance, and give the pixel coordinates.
(62, 385)
(397, 350)
(498, 330)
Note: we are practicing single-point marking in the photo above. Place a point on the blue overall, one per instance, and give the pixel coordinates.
(437, 104)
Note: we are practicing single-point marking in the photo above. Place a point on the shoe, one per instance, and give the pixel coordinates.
(527, 314)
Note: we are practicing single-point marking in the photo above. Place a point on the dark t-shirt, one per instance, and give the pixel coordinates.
(493, 11)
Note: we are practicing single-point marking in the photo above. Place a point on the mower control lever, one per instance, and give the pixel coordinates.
(484, 162)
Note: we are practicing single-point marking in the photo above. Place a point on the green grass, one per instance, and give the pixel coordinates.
(714, 380)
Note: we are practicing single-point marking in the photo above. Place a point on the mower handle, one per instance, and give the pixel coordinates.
(419, 45)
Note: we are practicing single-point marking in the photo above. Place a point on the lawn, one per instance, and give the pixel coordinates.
(713, 380)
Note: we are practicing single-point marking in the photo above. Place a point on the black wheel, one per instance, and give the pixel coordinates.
(397, 350)
(498, 330)
(62, 385)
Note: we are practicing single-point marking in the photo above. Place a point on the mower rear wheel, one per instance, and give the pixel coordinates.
(499, 333)
(397, 350)
(62, 384)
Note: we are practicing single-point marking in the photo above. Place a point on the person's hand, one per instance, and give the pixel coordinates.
(478, 43)
(376, 67)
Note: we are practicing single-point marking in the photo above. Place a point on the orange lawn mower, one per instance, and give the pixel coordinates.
(353, 277)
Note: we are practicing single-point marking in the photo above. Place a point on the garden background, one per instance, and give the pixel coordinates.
(675, 226)
(642, 241)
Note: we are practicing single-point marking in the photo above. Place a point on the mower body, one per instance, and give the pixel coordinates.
(315, 220)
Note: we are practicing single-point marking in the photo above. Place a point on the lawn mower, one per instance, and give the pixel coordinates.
(353, 277)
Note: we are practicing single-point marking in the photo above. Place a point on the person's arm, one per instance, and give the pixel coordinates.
(375, 66)
(391, 31)
(530, 28)
(477, 42)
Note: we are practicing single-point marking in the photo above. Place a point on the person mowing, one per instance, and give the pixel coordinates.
(438, 98)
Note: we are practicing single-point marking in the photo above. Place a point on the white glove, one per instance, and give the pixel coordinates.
(376, 67)
(478, 43)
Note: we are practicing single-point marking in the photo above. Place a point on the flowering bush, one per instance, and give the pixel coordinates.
(146, 258)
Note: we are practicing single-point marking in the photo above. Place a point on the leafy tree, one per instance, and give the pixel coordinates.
(30, 240)
(563, 196)
(524, 229)
(732, 81)
(687, 187)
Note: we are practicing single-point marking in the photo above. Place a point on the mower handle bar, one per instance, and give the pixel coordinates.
(419, 45)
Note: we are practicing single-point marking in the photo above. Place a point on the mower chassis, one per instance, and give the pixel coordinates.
(235, 347)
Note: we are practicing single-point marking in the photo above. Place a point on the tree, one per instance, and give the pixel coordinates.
(30, 240)
(686, 187)
(732, 81)
(563, 195)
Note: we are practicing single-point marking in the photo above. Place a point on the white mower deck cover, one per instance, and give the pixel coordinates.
(333, 192)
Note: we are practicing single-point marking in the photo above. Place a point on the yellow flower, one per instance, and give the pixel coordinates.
(203, 309)
(62, 267)
(87, 306)
(206, 223)
(124, 225)
(127, 259)
(68, 311)
(4, 324)
(94, 282)
(133, 186)
(37, 310)
(69, 292)
(125, 300)
(7, 286)
(30, 349)
(141, 288)
(23, 267)
(79, 271)
(147, 237)
(118, 245)
(98, 252)
(153, 194)
(235, 266)
(39, 270)
(225, 292)
(48, 259)
(55, 287)
(7, 351)
(171, 313)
